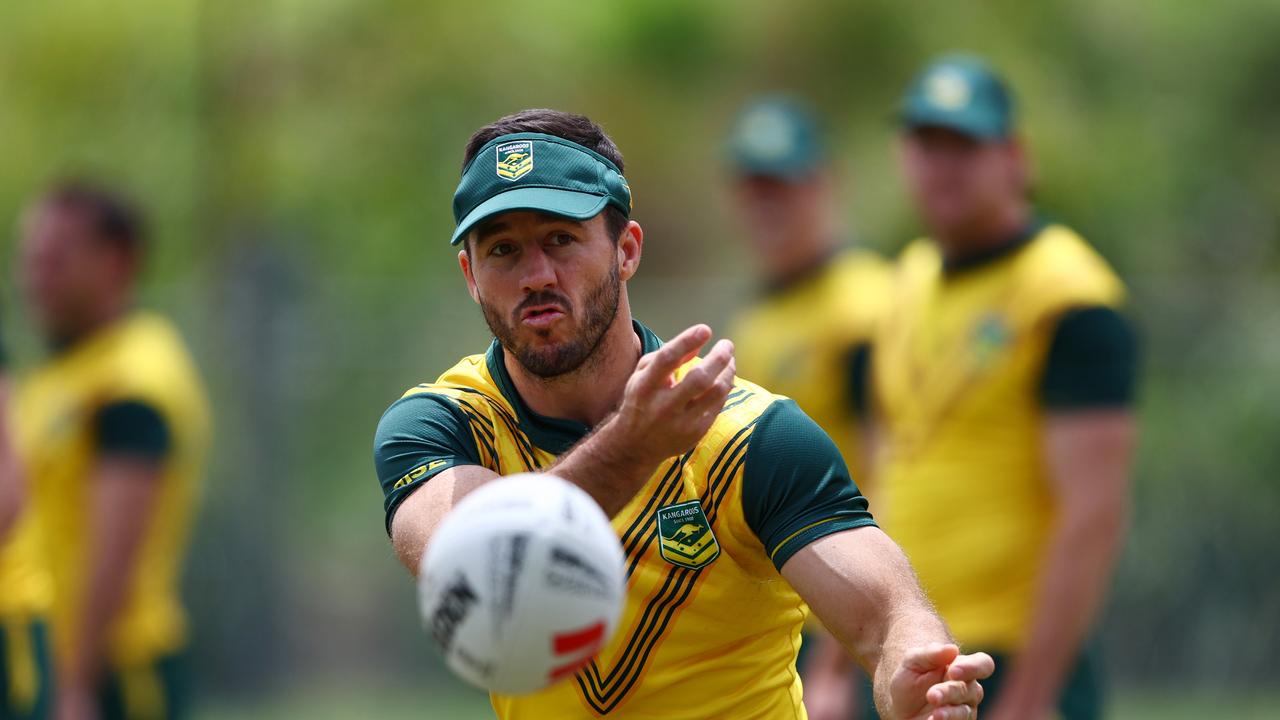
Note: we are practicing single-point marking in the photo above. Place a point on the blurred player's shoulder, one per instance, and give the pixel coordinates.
(838, 300)
(142, 356)
(1056, 267)
(1062, 260)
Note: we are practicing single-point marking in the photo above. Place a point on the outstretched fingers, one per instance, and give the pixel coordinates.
(930, 658)
(661, 363)
(971, 667)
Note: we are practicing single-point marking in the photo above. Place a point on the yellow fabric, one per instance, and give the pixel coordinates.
(142, 691)
(798, 342)
(20, 656)
(720, 641)
(962, 483)
(139, 358)
(25, 588)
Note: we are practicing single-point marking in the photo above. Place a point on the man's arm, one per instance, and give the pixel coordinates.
(1088, 455)
(121, 498)
(133, 443)
(861, 587)
(808, 514)
(1089, 436)
(657, 419)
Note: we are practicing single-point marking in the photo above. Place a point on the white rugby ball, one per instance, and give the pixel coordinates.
(522, 583)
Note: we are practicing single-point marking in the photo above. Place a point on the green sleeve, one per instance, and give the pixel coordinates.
(419, 437)
(133, 429)
(1092, 361)
(795, 486)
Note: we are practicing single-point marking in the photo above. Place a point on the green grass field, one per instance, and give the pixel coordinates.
(450, 704)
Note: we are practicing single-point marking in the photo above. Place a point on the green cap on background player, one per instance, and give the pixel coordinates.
(775, 136)
(543, 173)
(961, 93)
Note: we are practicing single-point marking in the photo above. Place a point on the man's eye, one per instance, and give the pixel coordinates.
(561, 239)
(501, 249)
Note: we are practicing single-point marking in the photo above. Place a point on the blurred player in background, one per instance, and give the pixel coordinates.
(26, 669)
(112, 428)
(808, 334)
(1004, 376)
(572, 384)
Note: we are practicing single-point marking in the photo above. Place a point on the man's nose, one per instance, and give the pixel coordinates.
(538, 272)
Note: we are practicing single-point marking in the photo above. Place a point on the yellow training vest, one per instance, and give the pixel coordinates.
(138, 358)
(962, 485)
(799, 341)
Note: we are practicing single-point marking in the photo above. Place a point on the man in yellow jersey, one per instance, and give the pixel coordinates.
(112, 428)
(1004, 376)
(575, 386)
(808, 334)
(26, 670)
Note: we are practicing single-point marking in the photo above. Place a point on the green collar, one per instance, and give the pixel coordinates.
(555, 435)
(990, 255)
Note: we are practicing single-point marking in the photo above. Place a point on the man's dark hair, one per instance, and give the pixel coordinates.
(579, 129)
(115, 219)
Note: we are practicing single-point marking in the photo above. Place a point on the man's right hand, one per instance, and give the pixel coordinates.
(662, 417)
(659, 417)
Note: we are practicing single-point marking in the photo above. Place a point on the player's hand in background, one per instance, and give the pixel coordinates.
(830, 696)
(936, 682)
(662, 417)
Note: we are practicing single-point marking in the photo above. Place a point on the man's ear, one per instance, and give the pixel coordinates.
(464, 262)
(630, 247)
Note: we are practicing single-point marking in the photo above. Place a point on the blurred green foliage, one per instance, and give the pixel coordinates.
(299, 158)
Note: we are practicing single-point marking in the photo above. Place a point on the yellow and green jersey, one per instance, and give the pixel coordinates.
(969, 361)
(808, 339)
(130, 388)
(710, 628)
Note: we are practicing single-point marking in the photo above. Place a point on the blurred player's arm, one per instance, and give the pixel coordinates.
(799, 500)
(12, 484)
(657, 419)
(1089, 438)
(133, 444)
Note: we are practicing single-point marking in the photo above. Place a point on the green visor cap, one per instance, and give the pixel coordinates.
(534, 171)
(775, 136)
(961, 93)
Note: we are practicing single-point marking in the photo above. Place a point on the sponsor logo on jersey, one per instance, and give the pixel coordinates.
(515, 159)
(685, 536)
(991, 334)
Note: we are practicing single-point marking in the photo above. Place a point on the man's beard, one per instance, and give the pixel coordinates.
(598, 313)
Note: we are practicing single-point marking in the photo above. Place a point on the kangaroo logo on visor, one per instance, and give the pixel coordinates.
(515, 159)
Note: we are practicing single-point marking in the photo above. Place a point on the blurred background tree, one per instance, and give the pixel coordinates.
(299, 156)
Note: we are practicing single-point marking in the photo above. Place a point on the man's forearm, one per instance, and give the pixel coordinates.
(608, 465)
(104, 598)
(1078, 564)
(913, 626)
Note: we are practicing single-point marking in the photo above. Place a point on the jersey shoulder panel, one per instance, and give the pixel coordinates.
(148, 362)
(470, 385)
(1059, 271)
